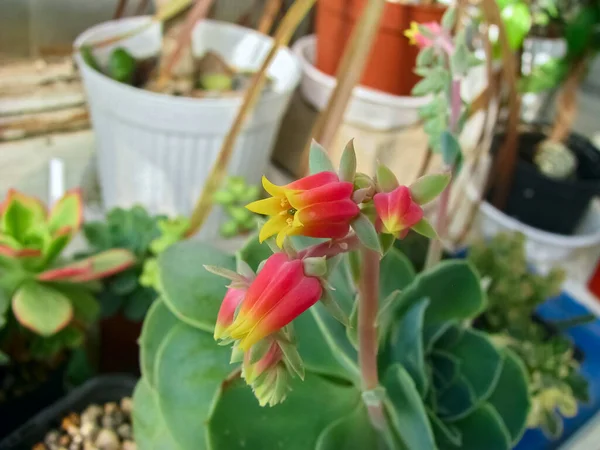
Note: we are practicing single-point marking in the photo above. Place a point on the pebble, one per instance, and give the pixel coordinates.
(98, 427)
(107, 440)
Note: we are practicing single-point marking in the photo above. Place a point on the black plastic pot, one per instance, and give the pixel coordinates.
(103, 389)
(16, 411)
(556, 206)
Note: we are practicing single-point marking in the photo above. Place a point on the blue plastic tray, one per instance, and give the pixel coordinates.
(587, 339)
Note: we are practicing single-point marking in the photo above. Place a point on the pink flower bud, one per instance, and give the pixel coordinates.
(280, 293)
(232, 299)
(397, 211)
(319, 206)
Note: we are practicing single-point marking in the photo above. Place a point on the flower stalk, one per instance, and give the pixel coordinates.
(368, 307)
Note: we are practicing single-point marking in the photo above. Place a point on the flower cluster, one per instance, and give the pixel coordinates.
(257, 311)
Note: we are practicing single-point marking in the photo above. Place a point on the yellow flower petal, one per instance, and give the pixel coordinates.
(412, 32)
(274, 190)
(269, 206)
(273, 226)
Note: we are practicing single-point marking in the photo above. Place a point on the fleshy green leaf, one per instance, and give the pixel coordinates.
(85, 306)
(453, 288)
(332, 307)
(353, 432)
(193, 294)
(483, 429)
(387, 242)
(386, 180)
(457, 400)
(189, 371)
(17, 220)
(66, 212)
(159, 322)
(366, 233)
(407, 344)
(450, 148)
(317, 401)
(407, 411)
(89, 58)
(481, 364)
(446, 434)
(92, 268)
(121, 65)
(396, 273)
(446, 369)
(138, 303)
(511, 396)
(424, 228)
(348, 163)
(42, 309)
(428, 187)
(254, 252)
(449, 19)
(319, 160)
(151, 433)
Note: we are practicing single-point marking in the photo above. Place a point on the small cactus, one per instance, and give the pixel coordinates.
(555, 160)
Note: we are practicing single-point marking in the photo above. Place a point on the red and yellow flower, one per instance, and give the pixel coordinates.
(416, 37)
(279, 294)
(319, 206)
(397, 211)
(231, 301)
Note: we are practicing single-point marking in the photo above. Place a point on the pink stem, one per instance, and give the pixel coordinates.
(434, 253)
(332, 248)
(368, 307)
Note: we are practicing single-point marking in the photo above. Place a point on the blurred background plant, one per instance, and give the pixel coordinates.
(514, 293)
(145, 236)
(233, 198)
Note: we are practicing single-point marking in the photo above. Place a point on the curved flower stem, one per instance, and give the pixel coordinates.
(434, 253)
(368, 307)
(332, 248)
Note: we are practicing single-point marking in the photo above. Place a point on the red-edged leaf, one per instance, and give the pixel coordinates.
(68, 273)
(19, 253)
(95, 267)
(42, 309)
(32, 203)
(66, 213)
(57, 244)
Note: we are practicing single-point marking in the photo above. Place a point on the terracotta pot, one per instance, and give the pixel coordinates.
(390, 66)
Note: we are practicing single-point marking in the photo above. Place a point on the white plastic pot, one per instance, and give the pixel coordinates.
(368, 107)
(157, 150)
(576, 254)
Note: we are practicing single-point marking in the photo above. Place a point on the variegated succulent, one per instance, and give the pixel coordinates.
(42, 296)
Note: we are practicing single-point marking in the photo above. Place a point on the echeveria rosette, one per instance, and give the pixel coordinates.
(318, 206)
(29, 230)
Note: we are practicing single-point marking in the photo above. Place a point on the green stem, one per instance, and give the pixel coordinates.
(368, 307)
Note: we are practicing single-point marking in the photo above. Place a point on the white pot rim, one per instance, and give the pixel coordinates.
(583, 240)
(224, 102)
(360, 92)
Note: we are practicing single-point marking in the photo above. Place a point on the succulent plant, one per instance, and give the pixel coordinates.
(145, 236)
(45, 302)
(448, 386)
(514, 293)
(233, 198)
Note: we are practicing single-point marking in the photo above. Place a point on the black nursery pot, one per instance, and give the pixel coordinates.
(556, 206)
(15, 411)
(100, 390)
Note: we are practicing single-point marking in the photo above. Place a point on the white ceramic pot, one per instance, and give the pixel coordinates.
(368, 107)
(157, 150)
